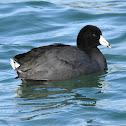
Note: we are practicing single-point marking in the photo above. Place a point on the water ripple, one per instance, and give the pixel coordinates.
(97, 99)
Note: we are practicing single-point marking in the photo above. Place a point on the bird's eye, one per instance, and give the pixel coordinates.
(94, 35)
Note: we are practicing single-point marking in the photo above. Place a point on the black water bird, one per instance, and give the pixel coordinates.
(62, 62)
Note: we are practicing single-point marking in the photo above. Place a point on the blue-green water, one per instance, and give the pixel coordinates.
(97, 99)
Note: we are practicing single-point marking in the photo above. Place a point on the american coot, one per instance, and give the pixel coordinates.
(61, 62)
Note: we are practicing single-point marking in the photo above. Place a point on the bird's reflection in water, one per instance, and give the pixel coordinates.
(79, 88)
(49, 97)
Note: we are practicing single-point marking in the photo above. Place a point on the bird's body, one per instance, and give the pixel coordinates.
(58, 62)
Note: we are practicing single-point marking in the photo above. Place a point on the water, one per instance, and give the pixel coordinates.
(96, 99)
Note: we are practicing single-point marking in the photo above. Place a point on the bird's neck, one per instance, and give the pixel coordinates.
(96, 55)
(90, 51)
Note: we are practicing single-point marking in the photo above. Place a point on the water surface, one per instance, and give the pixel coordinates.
(96, 99)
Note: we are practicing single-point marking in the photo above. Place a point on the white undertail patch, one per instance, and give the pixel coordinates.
(14, 64)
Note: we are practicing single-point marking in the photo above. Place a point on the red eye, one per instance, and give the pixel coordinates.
(94, 35)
